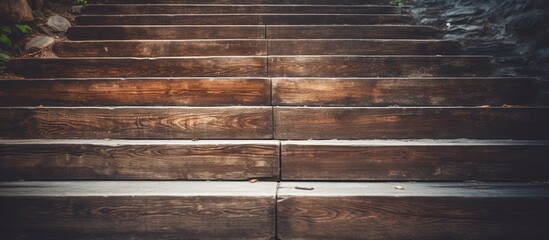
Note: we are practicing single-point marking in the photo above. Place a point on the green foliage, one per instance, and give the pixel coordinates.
(397, 2)
(9, 36)
(81, 2)
(4, 57)
(23, 28)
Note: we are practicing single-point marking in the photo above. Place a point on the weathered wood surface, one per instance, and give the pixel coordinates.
(234, 8)
(411, 123)
(165, 32)
(138, 159)
(137, 210)
(404, 91)
(422, 160)
(350, 32)
(379, 66)
(243, 19)
(414, 211)
(136, 92)
(234, 66)
(312, 2)
(161, 48)
(362, 47)
(136, 123)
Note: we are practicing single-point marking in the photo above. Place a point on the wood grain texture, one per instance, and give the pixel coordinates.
(121, 216)
(234, 66)
(438, 161)
(362, 47)
(312, 2)
(161, 48)
(164, 32)
(404, 91)
(351, 32)
(136, 123)
(233, 8)
(411, 123)
(379, 66)
(139, 160)
(243, 19)
(412, 218)
(137, 92)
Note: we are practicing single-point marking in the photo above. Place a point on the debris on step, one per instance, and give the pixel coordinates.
(39, 42)
(58, 23)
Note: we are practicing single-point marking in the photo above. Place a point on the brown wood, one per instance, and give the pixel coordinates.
(232, 8)
(174, 32)
(243, 19)
(313, 2)
(234, 66)
(139, 160)
(362, 47)
(415, 160)
(15, 11)
(153, 211)
(379, 66)
(351, 32)
(411, 122)
(161, 48)
(136, 123)
(137, 92)
(478, 211)
(404, 91)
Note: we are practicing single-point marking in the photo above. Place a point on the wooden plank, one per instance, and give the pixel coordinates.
(421, 160)
(136, 92)
(411, 123)
(137, 210)
(243, 19)
(379, 66)
(234, 66)
(138, 159)
(414, 211)
(235, 8)
(136, 123)
(312, 2)
(161, 48)
(404, 91)
(165, 32)
(363, 47)
(350, 32)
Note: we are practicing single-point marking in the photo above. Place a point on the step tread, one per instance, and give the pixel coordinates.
(314, 2)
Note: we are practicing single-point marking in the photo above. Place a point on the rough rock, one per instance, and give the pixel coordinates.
(58, 23)
(39, 42)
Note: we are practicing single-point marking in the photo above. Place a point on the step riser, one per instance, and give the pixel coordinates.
(420, 163)
(404, 92)
(253, 48)
(135, 161)
(249, 32)
(411, 123)
(242, 19)
(213, 9)
(136, 92)
(311, 2)
(136, 123)
(272, 66)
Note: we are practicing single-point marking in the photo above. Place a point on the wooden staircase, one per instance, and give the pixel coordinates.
(320, 119)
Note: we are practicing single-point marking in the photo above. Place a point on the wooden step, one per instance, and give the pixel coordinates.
(163, 32)
(312, 210)
(138, 159)
(124, 9)
(362, 47)
(137, 210)
(312, 2)
(161, 48)
(422, 160)
(351, 32)
(233, 66)
(244, 19)
(379, 66)
(253, 47)
(494, 91)
(411, 122)
(136, 123)
(136, 92)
